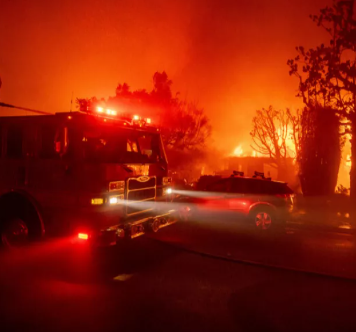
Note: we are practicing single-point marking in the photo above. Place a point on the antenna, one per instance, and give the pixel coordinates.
(25, 109)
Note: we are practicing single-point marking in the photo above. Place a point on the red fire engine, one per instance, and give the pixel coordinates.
(92, 173)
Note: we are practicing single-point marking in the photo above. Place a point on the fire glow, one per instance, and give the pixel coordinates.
(238, 152)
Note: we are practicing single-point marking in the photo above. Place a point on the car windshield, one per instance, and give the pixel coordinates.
(249, 186)
(109, 145)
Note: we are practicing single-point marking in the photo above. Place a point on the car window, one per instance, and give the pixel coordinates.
(253, 187)
(206, 180)
(281, 188)
(265, 187)
(239, 185)
(219, 186)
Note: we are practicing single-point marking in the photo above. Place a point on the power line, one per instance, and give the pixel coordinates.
(25, 109)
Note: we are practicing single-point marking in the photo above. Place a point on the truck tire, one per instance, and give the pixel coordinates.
(14, 233)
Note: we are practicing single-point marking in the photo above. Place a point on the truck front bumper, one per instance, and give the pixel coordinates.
(109, 233)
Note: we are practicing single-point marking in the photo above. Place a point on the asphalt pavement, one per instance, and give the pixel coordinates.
(294, 247)
(198, 276)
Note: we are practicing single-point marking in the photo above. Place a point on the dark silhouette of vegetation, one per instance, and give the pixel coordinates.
(327, 74)
(310, 137)
(320, 151)
(161, 88)
(184, 125)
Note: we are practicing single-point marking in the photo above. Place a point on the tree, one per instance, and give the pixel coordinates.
(123, 90)
(310, 137)
(185, 126)
(275, 133)
(161, 88)
(327, 74)
(83, 104)
(320, 151)
(183, 123)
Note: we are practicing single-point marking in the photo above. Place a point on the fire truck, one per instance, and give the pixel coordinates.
(91, 173)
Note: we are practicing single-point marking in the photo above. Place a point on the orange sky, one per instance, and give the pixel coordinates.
(230, 56)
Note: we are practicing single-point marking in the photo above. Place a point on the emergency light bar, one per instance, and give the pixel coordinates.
(89, 108)
(105, 111)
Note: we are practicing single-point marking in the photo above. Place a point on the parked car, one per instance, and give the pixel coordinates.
(262, 202)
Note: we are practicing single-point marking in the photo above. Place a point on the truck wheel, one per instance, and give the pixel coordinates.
(14, 233)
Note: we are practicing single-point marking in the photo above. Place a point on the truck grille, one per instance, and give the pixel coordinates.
(142, 194)
(142, 189)
(134, 184)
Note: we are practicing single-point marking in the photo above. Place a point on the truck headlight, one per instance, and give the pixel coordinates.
(168, 191)
(115, 199)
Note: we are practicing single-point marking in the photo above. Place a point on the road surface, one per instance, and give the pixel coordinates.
(152, 284)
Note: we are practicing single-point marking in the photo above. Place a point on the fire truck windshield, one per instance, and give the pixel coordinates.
(110, 145)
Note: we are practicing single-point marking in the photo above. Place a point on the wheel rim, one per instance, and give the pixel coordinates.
(263, 220)
(15, 233)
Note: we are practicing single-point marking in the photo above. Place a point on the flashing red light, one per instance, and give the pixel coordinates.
(136, 117)
(83, 236)
(148, 120)
(110, 112)
(69, 117)
(100, 109)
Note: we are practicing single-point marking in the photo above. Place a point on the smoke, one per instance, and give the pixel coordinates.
(228, 55)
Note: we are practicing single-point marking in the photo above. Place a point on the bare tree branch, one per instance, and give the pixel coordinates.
(273, 130)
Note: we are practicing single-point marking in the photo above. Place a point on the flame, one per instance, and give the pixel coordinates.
(348, 160)
(238, 151)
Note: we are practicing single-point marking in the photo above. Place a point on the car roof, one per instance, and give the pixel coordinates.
(255, 179)
(258, 185)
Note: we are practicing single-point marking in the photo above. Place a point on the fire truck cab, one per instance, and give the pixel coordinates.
(93, 174)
